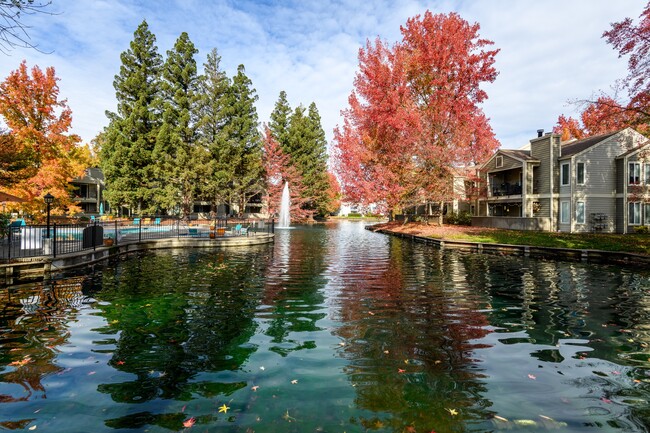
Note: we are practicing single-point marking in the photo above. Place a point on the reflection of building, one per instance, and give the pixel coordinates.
(88, 192)
(597, 184)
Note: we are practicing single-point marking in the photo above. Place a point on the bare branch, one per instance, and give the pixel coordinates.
(13, 32)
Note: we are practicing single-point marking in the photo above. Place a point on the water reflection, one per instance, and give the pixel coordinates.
(333, 328)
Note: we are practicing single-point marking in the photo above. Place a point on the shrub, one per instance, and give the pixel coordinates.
(460, 219)
(354, 215)
(5, 221)
(641, 230)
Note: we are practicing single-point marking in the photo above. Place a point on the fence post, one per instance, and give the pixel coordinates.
(140, 230)
(54, 243)
(94, 232)
(9, 236)
(116, 236)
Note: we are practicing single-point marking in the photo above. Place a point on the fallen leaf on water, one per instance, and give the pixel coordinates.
(399, 370)
(32, 427)
(406, 361)
(183, 409)
(294, 381)
(255, 388)
(386, 352)
(288, 417)
(605, 400)
(532, 376)
(262, 368)
(120, 362)
(22, 362)
(452, 411)
(500, 418)
(616, 372)
(91, 373)
(189, 423)
(371, 313)
(223, 408)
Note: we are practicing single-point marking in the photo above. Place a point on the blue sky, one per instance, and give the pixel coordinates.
(551, 50)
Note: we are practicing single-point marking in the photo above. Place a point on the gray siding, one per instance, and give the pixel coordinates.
(620, 215)
(540, 149)
(508, 164)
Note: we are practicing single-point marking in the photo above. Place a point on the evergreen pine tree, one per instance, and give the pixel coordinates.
(279, 124)
(307, 149)
(214, 88)
(243, 141)
(129, 139)
(175, 154)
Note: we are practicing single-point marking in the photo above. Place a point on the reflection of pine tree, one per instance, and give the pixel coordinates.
(170, 330)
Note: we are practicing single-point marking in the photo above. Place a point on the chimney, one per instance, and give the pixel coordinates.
(540, 132)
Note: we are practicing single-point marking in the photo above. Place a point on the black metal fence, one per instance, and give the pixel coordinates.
(40, 240)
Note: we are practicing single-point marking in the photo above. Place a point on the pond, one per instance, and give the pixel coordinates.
(331, 329)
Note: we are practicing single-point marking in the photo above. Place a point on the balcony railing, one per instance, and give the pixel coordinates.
(506, 189)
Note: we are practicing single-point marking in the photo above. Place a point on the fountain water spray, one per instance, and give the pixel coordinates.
(284, 218)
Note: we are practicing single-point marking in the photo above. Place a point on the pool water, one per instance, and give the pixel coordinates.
(331, 329)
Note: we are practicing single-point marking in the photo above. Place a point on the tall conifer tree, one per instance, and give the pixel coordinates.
(243, 140)
(129, 139)
(280, 118)
(175, 153)
(214, 90)
(307, 148)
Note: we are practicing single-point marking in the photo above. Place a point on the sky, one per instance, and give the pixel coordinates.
(551, 52)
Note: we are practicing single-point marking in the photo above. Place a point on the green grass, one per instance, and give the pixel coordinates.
(631, 243)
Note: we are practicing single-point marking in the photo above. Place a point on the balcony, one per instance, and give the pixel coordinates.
(505, 183)
(506, 189)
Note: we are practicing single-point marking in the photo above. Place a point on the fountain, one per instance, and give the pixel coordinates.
(284, 219)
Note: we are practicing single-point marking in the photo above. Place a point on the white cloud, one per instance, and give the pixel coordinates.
(551, 51)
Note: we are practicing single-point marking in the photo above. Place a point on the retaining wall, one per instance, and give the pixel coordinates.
(589, 256)
(40, 268)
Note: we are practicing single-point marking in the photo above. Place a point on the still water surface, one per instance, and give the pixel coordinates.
(331, 329)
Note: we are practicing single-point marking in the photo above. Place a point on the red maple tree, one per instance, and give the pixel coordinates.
(278, 170)
(413, 115)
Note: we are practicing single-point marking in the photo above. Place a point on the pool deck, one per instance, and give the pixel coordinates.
(36, 268)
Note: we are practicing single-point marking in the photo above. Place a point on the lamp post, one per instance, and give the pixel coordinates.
(48, 198)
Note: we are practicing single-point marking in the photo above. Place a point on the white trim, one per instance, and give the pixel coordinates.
(639, 213)
(563, 181)
(584, 212)
(584, 173)
(565, 215)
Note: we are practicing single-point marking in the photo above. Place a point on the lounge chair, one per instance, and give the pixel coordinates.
(236, 230)
(136, 221)
(146, 221)
(244, 231)
(157, 221)
(194, 232)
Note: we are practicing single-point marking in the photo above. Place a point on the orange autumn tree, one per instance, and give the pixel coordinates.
(38, 123)
(607, 114)
(414, 114)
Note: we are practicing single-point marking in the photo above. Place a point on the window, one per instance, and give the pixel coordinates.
(564, 175)
(580, 173)
(580, 212)
(634, 213)
(634, 173)
(647, 173)
(499, 161)
(646, 214)
(565, 209)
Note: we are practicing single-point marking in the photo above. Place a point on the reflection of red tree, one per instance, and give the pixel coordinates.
(409, 331)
